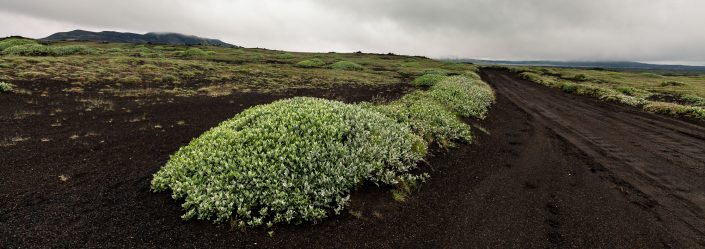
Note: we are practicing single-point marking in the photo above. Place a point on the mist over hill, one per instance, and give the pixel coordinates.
(148, 38)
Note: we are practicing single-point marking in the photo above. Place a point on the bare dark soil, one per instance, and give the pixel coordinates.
(556, 171)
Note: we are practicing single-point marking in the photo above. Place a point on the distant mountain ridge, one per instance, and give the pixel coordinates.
(614, 65)
(123, 37)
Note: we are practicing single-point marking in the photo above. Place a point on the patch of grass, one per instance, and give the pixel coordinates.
(671, 83)
(569, 87)
(192, 52)
(631, 91)
(27, 75)
(436, 71)
(31, 49)
(347, 65)
(292, 160)
(694, 100)
(11, 42)
(91, 104)
(428, 79)
(72, 50)
(6, 87)
(168, 78)
(311, 63)
(580, 77)
(34, 49)
(672, 109)
(132, 79)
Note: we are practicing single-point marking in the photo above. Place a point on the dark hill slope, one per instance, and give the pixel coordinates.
(152, 38)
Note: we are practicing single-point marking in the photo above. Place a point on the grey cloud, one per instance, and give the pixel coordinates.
(656, 30)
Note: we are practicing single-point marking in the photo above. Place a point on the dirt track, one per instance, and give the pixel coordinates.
(557, 171)
(658, 163)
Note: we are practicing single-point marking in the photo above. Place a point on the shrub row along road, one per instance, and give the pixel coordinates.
(645, 180)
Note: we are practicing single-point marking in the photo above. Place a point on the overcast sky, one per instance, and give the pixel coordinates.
(640, 30)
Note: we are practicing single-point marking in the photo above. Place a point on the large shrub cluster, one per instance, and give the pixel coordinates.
(288, 161)
(298, 159)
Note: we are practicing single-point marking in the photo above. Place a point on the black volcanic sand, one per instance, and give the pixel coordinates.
(555, 171)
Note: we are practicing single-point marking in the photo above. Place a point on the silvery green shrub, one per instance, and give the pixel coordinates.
(428, 118)
(464, 96)
(289, 161)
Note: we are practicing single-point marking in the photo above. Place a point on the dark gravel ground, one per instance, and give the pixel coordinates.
(530, 183)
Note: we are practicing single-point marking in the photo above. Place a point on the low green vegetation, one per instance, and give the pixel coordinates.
(427, 79)
(681, 96)
(291, 161)
(311, 63)
(347, 65)
(106, 65)
(5, 87)
(436, 71)
(33, 49)
(11, 42)
(191, 52)
(297, 160)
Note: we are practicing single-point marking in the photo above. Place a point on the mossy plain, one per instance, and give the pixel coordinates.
(165, 67)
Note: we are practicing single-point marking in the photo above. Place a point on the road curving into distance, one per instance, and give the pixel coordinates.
(657, 163)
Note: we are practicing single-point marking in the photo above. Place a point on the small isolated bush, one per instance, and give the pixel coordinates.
(671, 83)
(569, 87)
(6, 87)
(11, 42)
(428, 79)
(464, 96)
(289, 161)
(580, 77)
(192, 52)
(311, 63)
(347, 65)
